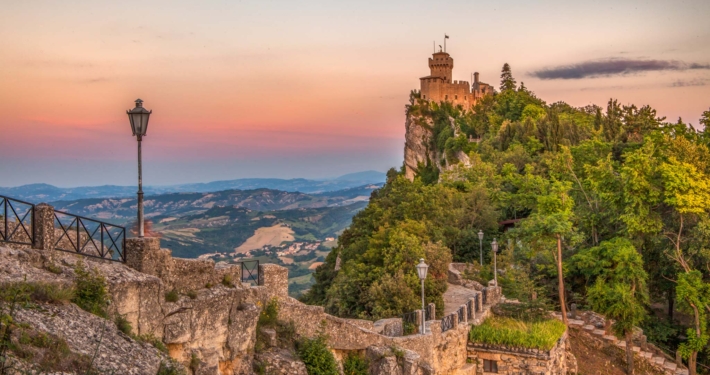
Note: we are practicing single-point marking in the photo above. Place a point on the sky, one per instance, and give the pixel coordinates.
(310, 89)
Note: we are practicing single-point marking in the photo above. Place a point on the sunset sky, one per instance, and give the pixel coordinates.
(305, 88)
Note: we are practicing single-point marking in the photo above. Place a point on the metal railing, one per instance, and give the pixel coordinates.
(427, 314)
(90, 237)
(17, 221)
(447, 322)
(250, 271)
(461, 314)
(409, 323)
(478, 306)
(484, 293)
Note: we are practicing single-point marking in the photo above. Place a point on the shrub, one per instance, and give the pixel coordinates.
(192, 294)
(90, 290)
(172, 296)
(227, 281)
(269, 315)
(355, 364)
(194, 362)
(53, 268)
(315, 355)
(156, 342)
(123, 325)
(519, 334)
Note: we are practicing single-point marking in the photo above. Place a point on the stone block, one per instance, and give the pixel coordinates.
(275, 279)
(144, 255)
(658, 360)
(670, 366)
(589, 327)
(636, 349)
(389, 327)
(43, 222)
(598, 332)
(646, 355)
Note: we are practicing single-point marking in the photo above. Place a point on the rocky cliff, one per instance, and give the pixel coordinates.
(420, 147)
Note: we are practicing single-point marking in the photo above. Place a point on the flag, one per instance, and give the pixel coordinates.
(446, 36)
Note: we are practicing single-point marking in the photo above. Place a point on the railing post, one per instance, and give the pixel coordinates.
(465, 314)
(455, 320)
(43, 227)
(431, 309)
(472, 312)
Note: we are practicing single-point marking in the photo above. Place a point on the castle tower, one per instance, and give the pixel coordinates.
(441, 65)
(439, 87)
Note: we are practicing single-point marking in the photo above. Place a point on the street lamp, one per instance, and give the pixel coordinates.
(421, 271)
(480, 245)
(494, 245)
(139, 124)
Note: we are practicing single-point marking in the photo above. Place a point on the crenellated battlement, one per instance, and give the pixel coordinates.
(439, 87)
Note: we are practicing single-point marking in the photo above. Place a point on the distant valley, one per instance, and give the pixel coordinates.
(293, 228)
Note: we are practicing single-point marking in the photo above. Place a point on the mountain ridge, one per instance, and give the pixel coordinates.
(42, 192)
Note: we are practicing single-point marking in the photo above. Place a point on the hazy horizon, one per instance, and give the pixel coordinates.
(305, 89)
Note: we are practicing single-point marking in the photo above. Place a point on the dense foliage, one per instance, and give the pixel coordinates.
(581, 189)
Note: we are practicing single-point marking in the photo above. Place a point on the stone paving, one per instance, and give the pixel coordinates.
(455, 296)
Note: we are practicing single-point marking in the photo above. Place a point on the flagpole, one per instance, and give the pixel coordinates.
(444, 42)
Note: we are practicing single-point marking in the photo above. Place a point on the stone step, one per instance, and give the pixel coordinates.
(682, 371)
(670, 365)
(598, 332)
(611, 338)
(646, 355)
(658, 360)
(576, 322)
(589, 328)
(621, 344)
(636, 349)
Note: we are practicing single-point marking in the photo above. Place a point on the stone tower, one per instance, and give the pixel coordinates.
(439, 87)
(441, 65)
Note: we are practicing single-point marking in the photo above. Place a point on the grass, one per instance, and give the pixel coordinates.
(37, 292)
(519, 334)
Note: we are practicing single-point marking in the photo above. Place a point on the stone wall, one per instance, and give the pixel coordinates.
(515, 361)
(182, 275)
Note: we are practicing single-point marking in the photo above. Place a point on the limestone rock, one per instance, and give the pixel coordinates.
(87, 334)
(280, 362)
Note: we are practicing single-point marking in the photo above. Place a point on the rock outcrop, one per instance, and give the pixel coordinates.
(419, 149)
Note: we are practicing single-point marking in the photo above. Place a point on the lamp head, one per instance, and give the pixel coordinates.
(138, 117)
(480, 234)
(494, 245)
(422, 269)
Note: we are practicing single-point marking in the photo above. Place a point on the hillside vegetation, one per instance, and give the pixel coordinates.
(617, 194)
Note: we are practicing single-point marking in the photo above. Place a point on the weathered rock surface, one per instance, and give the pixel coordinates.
(217, 326)
(280, 362)
(93, 336)
(417, 140)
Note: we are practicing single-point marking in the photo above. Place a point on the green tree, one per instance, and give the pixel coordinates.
(705, 120)
(619, 286)
(507, 82)
(549, 223)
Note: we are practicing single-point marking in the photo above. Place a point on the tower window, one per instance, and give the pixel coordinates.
(423, 96)
(446, 97)
(456, 97)
(490, 366)
(465, 98)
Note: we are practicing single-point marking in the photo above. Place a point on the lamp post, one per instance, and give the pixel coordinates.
(480, 245)
(138, 117)
(421, 272)
(494, 245)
